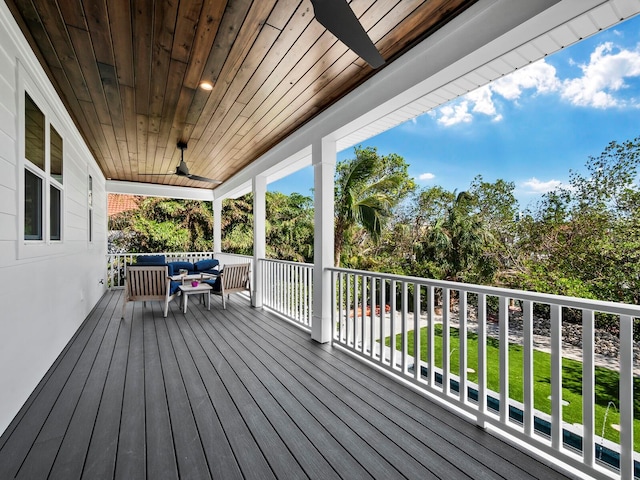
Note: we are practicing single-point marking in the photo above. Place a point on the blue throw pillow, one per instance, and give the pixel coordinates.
(207, 264)
(182, 265)
(151, 260)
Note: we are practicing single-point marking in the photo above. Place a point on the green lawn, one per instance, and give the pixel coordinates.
(606, 381)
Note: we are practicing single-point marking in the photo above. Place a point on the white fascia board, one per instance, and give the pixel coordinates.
(155, 190)
(297, 161)
(290, 165)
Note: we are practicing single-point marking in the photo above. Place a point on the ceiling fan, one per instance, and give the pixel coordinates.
(337, 17)
(183, 171)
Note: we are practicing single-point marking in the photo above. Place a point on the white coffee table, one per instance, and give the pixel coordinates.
(188, 289)
(185, 278)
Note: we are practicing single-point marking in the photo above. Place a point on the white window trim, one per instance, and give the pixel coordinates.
(46, 246)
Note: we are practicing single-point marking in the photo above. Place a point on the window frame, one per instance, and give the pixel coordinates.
(48, 244)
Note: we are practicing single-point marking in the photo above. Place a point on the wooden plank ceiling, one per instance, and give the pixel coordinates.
(129, 73)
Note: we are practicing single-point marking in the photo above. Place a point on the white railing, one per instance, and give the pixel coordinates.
(375, 316)
(287, 289)
(116, 262)
(231, 258)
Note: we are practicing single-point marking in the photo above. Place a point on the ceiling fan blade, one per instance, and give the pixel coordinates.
(203, 179)
(337, 17)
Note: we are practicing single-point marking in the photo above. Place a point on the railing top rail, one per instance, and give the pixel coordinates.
(287, 262)
(571, 302)
(234, 254)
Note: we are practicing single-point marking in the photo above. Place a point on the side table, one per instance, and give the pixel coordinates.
(187, 289)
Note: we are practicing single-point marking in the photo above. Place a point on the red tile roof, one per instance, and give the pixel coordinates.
(118, 203)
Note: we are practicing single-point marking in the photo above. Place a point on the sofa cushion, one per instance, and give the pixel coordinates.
(207, 264)
(154, 264)
(215, 284)
(151, 260)
(175, 286)
(182, 265)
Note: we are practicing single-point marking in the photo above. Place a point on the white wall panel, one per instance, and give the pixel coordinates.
(7, 121)
(7, 169)
(46, 293)
(7, 230)
(7, 200)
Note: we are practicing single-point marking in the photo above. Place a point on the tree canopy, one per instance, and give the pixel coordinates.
(367, 188)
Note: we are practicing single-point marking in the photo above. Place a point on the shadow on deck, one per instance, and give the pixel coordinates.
(234, 393)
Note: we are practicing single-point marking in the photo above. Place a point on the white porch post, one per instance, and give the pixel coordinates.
(323, 154)
(259, 236)
(217, 225)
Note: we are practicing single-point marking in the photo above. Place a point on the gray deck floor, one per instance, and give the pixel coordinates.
(234, 394)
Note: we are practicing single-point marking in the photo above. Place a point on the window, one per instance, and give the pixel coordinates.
(43, 175)
(33, 133)
(32, 206)
(55, 205)
(56, 154)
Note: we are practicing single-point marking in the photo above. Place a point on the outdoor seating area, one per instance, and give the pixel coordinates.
(206, 265)
(236, 393)
(152, 278)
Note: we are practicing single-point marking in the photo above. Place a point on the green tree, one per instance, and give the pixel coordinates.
(237, 225)
(585, 240)
(456, 242)
(367, 189)
(161, 224)
(289, 226)
(497, 208)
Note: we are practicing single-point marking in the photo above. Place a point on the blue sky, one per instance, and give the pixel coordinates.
(531, 127)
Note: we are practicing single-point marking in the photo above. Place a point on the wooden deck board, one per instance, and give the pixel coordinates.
(234, 393)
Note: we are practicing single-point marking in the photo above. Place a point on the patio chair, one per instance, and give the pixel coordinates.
(232, 279)
(149, 283)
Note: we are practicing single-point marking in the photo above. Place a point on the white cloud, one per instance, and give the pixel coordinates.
(482, 100)
(426, 176)
(454, 114)
(533, 185)
(539, 76)
(604, 75)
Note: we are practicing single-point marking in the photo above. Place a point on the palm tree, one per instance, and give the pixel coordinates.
(367, 189)
(456, 241)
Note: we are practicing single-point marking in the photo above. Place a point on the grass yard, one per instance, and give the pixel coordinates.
(606, 381)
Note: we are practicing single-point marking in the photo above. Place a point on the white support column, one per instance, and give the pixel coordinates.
(217, 225)
(259, 237)
(323, 155)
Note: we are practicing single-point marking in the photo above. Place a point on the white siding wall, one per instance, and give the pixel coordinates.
(45, 293)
